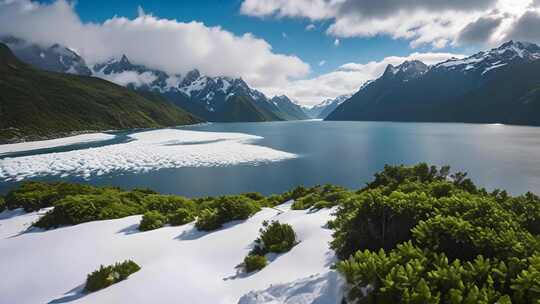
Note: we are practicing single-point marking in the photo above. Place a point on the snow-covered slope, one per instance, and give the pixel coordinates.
(511, 52)
(56, 58)
(179, 264)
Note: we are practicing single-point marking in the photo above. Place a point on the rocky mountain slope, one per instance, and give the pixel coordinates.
(204, 96)
(37, 104)
(496, 86)
(217, 98)
(322, 110)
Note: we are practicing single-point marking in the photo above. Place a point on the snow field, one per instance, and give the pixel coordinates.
(179, 264)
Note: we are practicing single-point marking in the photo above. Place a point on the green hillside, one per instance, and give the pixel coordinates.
(36, 104)
(240, 108)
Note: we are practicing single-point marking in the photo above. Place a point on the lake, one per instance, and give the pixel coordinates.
(342, 153)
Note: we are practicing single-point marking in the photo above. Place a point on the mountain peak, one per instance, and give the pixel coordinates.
(409, 69)
(124, 60)
(412, 64)
(521, 48)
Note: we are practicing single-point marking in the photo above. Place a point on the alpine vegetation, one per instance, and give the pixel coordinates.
(420, 235)
(105, 276)
(274, 237)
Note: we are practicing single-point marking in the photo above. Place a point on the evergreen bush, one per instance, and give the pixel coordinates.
(276, 237)
(105, 276)
(152, 220)
(254, 262)
(180, 217)
(77, 209)
(225, 209)
(422, 235)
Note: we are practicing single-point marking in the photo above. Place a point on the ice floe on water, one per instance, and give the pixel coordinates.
(150, 150)
(178, 264)
(54, 143)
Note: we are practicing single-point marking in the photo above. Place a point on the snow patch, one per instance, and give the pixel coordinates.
(316, 289)
(178, 264)
(150, 150)
(493, 67)
(53, 143)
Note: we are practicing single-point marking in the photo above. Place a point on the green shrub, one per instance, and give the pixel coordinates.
(76, 209)
(276, 237)
(254, 196)
(409, 274)
(208, 220)
(254, 262)
(108, 275)
(2, 204)
(225, 209)
(420, 235)
(180, 217)
(152, 220)
(167, 204)
(33, 196)
(320, 197)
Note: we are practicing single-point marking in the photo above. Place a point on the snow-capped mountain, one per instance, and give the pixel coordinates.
(484, 62)
(323, 109)
(501, 85)
(406, 71)
(211, 98)
(55, 58)
(205, 96)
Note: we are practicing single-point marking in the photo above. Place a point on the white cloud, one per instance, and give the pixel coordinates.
(438, 23)
(310, 27)
(336, 42)
(347, 79)
(165, 44)
(322, 62)
(129, 77)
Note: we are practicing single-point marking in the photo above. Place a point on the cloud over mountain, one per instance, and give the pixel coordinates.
(169, 45)
(435, 22)
(348, 78)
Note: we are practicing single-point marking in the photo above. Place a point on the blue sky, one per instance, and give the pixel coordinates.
(280, 56)
(286, 35)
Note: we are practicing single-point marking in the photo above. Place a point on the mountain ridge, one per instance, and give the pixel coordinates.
(443, 92)
(202, 95)
(37, 104)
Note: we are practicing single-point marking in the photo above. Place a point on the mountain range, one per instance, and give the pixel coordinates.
(501, 85)
(323, 109)
(221, 98)
(37, 104)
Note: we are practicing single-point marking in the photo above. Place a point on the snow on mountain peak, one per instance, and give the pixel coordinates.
(486, 61)
(407, 70)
